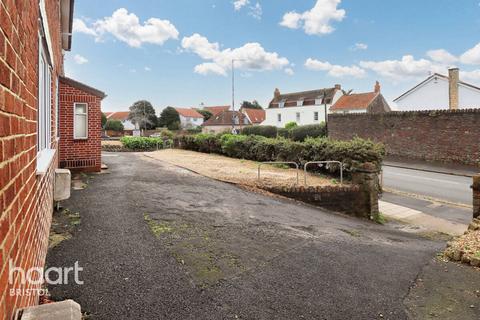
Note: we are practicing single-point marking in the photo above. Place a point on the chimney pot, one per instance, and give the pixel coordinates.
(453, 79)
(377, 87)
(338, 87)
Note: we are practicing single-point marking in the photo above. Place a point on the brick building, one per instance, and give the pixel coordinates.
(80, 124)
(33, 38)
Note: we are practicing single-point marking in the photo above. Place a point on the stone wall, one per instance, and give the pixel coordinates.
(446, 136)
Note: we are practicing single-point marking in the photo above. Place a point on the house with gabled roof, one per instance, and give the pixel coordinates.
(306, 107)
(371, 102)
(226, 122)
(255, 116)
(215, 110)
(440, 92)
(121, 116)
(189, 118)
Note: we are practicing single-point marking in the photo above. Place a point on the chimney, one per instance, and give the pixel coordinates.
(377, 87)
(453, 79)
(338, 87)
(276, 93)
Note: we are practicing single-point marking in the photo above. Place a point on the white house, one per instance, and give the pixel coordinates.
(439, 92)
(371, 102)
(307, 107)
(121, 116)
(189, 118)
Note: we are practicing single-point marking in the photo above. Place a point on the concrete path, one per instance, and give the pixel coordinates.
(158, 242)
(420, 219)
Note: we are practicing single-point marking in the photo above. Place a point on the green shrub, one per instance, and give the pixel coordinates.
(263, 149)
(145, 143)
(264, 131)
(114, 125)
(300, 133)
(291, 125)
(283, 133)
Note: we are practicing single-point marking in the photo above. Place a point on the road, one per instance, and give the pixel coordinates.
(436, 185)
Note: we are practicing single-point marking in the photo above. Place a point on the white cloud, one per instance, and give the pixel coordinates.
(239, 4)
(148, 69)
(442, 56)
(256, 11)
(405, 68)
(334, 70)
(359, 46)
(470, 75)
(80, 27)
(126, 27)
(316, 21)
(471, 56)
(289, 71)
(80, 59)
(251, 56)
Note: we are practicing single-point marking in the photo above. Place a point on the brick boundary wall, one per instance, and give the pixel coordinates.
(80, 154)
(443, 135)
(359, 199)
(26, 199)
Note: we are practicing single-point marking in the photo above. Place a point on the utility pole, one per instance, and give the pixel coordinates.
(233, 93)
(326, 119)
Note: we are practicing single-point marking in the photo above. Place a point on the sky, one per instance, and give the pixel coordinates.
(179, 53)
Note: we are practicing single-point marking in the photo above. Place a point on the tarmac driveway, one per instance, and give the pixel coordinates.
(159, 242)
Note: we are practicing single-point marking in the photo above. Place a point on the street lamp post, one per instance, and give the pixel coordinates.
(233, 92)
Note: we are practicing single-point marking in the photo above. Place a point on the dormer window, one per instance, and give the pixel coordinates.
(300, 103)
(281, 104)
(319, 100)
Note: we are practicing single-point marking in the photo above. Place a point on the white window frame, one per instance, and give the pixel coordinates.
(316, 116)
(297, 117)
(279, 117)
(75, 121)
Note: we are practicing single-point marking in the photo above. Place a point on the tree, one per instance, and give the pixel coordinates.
(169, 118)
(143, 114)
(114, 125)
(290, 125)
(251, 105)
(104, 120)
(206, 114)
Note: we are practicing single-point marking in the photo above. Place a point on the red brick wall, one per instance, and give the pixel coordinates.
(25, 198)
(84, 155)
(447, 136)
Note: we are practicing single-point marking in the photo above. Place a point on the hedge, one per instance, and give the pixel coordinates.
(264, 131)
(145, 143)
(294, 132)
(262, 149)
(300, 133)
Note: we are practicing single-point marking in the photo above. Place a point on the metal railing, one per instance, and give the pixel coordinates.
(294, 163)
(322, 162)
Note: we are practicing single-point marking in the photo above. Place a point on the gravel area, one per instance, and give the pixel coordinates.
(238, 171)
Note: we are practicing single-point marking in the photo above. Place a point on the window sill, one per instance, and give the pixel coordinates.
(44, 159)
(86, 138)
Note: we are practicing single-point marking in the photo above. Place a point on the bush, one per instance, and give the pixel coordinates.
(264, 131)
(291, 125)
(145, 143)
(263, 149)
(300, 133)
(114, 125)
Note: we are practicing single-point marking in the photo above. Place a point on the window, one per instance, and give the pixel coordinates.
(44, 112)
(279, 117)
(319, 100)
(298, 117)
(300, 103)
(281, 104)
(80, 124)
(315, 116)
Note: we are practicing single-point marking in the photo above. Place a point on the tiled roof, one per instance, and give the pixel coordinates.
(225, 119)
(255, 115)
(188, 112)
(216, 109)
(308, 97)
(120, 115)
(358, 101)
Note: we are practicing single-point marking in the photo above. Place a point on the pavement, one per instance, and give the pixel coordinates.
(435, 167)
(159, 242)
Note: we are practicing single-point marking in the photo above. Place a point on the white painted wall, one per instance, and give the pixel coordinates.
(188, 122)
(289, 114)
(434, 95)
